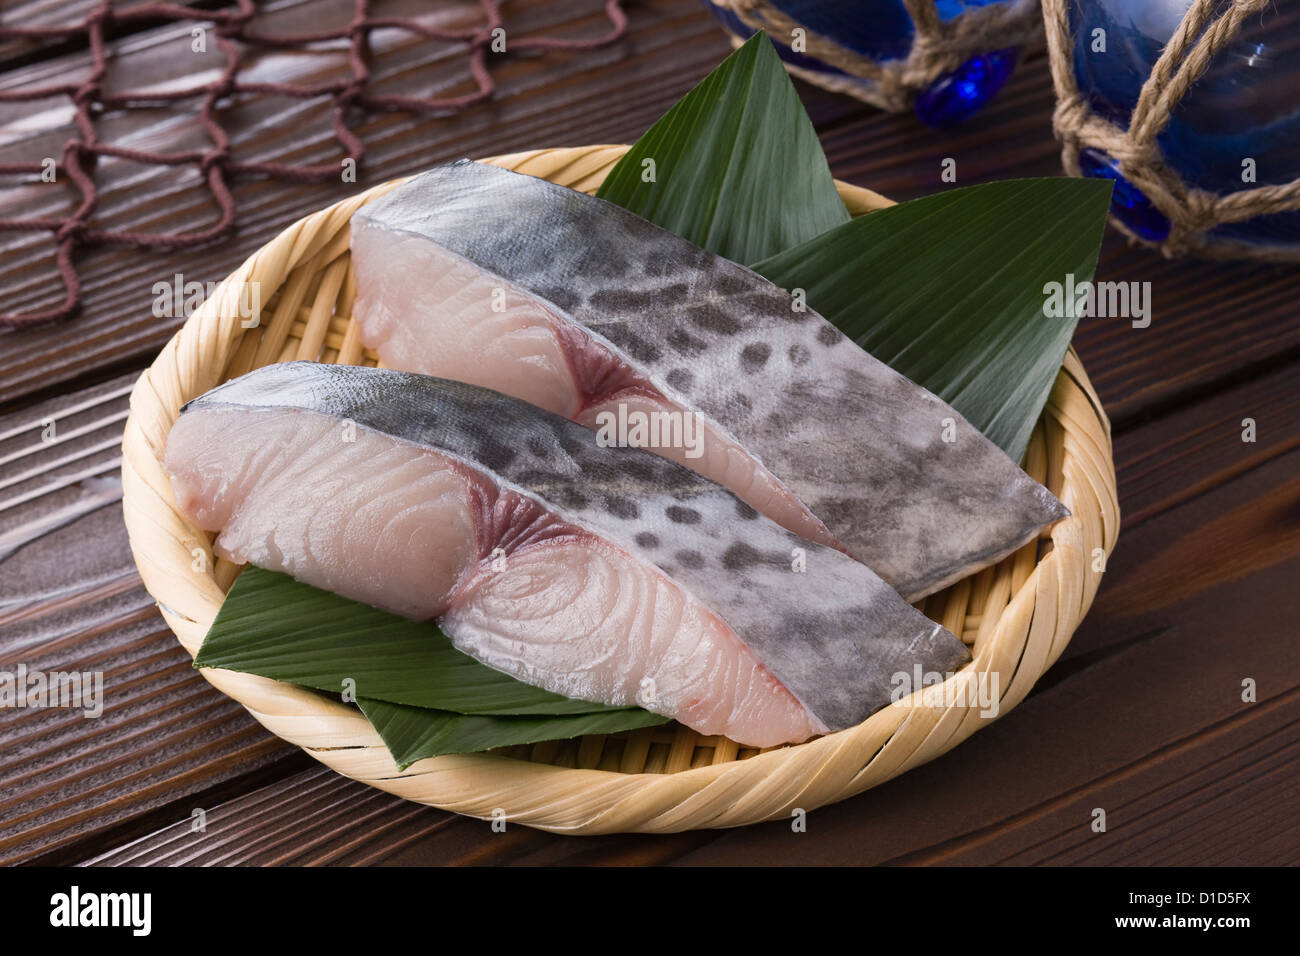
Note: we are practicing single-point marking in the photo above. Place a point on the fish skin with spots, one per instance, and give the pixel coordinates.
(575, 567)
(601, 307)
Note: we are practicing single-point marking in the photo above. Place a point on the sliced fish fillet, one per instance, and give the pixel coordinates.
(611, 575)
(479, 274)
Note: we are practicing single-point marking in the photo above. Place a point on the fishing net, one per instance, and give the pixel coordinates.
(229, 26)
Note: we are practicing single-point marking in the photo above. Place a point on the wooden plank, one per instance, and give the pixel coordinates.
(71, 602)
(1195, 802)
(60, 14)
(338, 822)
(1200, 446)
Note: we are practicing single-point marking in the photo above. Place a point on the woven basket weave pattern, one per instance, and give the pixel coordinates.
(1017, 616)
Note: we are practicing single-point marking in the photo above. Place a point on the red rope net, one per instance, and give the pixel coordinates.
(216, 164)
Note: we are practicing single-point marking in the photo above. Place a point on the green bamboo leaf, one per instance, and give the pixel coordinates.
(276, 627)
(737, 165)
(413, 733)
(950, 291)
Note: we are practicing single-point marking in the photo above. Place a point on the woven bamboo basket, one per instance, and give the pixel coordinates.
(1017, 616)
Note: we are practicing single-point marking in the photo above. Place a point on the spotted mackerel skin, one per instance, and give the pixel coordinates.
(834, 635)
(859, 444)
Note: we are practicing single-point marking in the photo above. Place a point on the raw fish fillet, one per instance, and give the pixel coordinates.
(487, 276)
(605, 574)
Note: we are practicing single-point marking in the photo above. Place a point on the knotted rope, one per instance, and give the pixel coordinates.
(938, 46)
(1192, 212)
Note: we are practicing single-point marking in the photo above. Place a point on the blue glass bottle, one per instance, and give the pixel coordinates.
(1245, 107)
(883, 30)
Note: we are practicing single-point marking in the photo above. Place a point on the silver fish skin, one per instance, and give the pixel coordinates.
(898, 477)
(835, 635)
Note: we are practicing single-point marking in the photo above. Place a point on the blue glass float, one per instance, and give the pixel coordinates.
(1129, 204)
(959, 95)
(882, 31)
(1246, 106)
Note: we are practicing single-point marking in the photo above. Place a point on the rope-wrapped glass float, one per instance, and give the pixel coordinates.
(947, 58)
(1190, 107)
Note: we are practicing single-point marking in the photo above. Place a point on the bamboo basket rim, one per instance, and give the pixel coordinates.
(1018, 615)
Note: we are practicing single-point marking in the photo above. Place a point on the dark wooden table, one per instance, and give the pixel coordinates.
(1143, 715)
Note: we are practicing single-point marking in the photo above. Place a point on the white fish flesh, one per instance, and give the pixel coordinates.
(605, 574)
